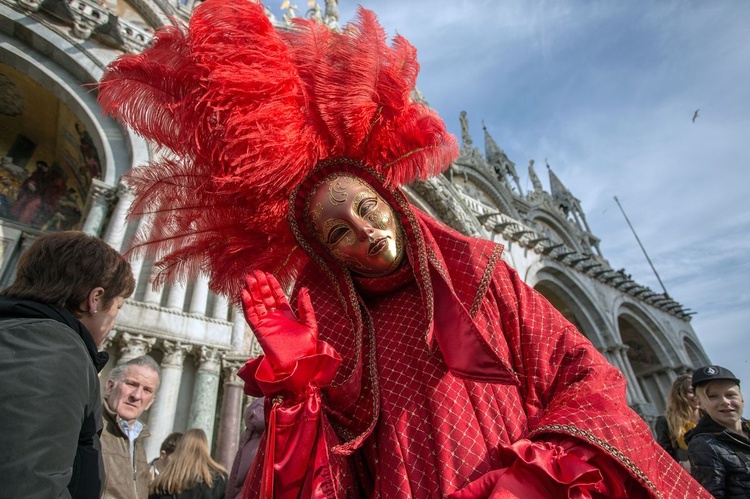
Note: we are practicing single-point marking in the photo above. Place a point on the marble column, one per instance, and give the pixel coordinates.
(221, 307)
(176, 296)
(205, 392)
(134, 345)
(137, 264)
(199, 299)
(152, 295)
(100, 197)
(627, 369)
(231, 415)
(664, 378)
(238, 329)
(161, 418)
(118, 224)
(610, 354)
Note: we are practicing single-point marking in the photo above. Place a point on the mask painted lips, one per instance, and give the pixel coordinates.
(378, 247)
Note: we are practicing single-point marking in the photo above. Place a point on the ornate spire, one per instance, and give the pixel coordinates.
(467, 144)
(492, 152)
(559, 192)
(538, 187)
(567, 202)
(499, 161)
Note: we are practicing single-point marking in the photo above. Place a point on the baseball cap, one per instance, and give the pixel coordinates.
(713, 373)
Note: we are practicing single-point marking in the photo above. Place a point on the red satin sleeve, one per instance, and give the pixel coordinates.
(560, 467)
(295, 457)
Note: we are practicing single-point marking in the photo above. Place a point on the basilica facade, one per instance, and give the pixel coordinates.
(62, 167)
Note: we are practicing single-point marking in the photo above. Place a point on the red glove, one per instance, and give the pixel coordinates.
(284, 339)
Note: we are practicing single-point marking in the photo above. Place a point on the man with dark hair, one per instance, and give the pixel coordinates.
(68, 289)
(129, 392)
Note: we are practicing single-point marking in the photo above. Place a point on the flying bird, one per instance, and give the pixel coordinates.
(695, 115)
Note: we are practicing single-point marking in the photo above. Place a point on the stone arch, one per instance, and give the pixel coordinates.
(497, 195)
(549, 225)
(649, 353)
(574, 302)
(695, 354)
(67, 73)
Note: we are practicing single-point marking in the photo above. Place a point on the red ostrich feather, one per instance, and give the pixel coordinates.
(243, 112)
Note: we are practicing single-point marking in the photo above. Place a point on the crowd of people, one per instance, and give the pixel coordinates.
(415, 363)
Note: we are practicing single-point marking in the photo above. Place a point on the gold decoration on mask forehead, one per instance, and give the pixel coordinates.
(337, 190)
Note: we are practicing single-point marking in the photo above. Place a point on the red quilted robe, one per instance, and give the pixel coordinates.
(454, 377)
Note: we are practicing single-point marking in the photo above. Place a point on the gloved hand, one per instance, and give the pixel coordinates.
(559, 468)
(284, 339)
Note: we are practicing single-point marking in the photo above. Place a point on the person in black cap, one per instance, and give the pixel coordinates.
(719, 446)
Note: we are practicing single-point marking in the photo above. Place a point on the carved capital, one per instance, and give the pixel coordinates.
(208, 359)
(101, 192)
(125, 191)
(230, 369)
(134, 345)
(109, 340)
(174, 353)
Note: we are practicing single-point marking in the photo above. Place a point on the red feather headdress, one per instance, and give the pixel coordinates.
(243, 112)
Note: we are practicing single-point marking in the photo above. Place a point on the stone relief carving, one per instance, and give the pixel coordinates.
(441, 195)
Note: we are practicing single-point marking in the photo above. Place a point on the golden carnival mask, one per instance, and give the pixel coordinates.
(356, 225)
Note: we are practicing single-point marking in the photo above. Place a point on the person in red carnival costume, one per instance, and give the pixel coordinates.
(418, 363)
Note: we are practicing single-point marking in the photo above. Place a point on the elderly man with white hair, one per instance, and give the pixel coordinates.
(129, 392)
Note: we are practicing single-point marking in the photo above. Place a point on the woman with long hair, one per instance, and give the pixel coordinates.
(191, 473)
(682, 415)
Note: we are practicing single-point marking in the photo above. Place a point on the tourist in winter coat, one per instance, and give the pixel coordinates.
(129, 392)
(68, 289)
(719, 447)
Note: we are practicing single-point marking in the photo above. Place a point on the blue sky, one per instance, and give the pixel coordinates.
(605, 91)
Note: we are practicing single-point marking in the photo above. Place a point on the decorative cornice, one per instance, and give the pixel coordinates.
(157, 336)
(88, 18)
(441, 196)
(180, 313)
